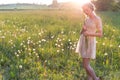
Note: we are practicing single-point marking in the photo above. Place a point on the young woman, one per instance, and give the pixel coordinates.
(86, 46)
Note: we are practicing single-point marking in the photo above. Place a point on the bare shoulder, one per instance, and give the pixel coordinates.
(98, 19)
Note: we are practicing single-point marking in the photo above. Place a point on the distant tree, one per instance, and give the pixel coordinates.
(116, 6)
(104, 4)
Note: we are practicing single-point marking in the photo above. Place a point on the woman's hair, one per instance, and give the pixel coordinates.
(90, 5)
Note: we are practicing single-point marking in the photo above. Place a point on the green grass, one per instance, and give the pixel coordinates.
(40, 45)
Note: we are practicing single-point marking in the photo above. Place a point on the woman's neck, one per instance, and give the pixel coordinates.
(93, 15)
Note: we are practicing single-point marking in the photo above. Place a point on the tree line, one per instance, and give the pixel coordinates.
(105, 5)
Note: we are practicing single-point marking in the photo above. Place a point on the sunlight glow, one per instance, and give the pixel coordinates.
(80, 2)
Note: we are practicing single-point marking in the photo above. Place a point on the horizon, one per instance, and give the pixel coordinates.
(47, 2)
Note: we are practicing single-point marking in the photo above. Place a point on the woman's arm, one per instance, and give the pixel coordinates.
(83, 29)
(99, 32)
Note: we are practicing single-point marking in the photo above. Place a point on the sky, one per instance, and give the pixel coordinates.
(30, 1)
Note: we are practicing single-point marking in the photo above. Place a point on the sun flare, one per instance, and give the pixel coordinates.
(80, 2)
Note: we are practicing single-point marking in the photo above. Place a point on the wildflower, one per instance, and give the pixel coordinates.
(56, 44)
(113, 30)
(61, 44)
(39, 45)
(29, 53)
(69, 40)
(40, 34)
(58, 51)
(106, 54)
(52, 37)
(19, 51)
(42, 49)
(33, 49)
(96, 41)
(62, 49)
(17, 55)
(3, 37)
(111, 45)
(1, 60)
(37, 56)
(119, 46)
(43, 40)
(73, 48)
(103, 44)
(20, 66)
(62, 32)
(21, 44)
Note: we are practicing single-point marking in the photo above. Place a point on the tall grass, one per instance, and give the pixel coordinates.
(40, 45)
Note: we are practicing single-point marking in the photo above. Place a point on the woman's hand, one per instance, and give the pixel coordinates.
(86, 33)
(83, 29)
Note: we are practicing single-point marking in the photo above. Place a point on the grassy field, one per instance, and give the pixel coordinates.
(40, 45)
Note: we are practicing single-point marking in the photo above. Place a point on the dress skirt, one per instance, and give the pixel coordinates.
(86, 47)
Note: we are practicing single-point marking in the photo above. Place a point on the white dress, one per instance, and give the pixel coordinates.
(86, 46)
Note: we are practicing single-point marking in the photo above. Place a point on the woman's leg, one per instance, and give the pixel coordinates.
(90, 72)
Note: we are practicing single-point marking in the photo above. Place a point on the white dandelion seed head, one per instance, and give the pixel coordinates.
(103, 44)
(58, 51)
(20, 66)
(17, 55)
(62, 49)
(111, 45)
(96, 41)
(106, 54)
(119, 46)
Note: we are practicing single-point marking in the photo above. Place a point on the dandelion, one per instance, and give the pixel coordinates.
(73, 48)
(56, 44)
(96, 41)
(39, 45)
(43, 40)
(119, 46)
(33, 49)
(106, 54)
(52, 36)
(3, 37)
(113, 30)
(103, 44)
(59, 46)
(21, 44)
(58, 51)
(40, 34)
(20, 66)
(62, 49)
(69, 40)
(105, 37)
(19, 51)
(29, 53)
(111, 45)
(62, 32)
(39, 41)
(63, 39)
(74, 32)
(17, 55)
(37, 56)
(1, 60)
(42, 49)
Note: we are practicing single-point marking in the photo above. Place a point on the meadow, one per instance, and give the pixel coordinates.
(40, 45)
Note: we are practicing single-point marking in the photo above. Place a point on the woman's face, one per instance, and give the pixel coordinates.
(87, 10)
